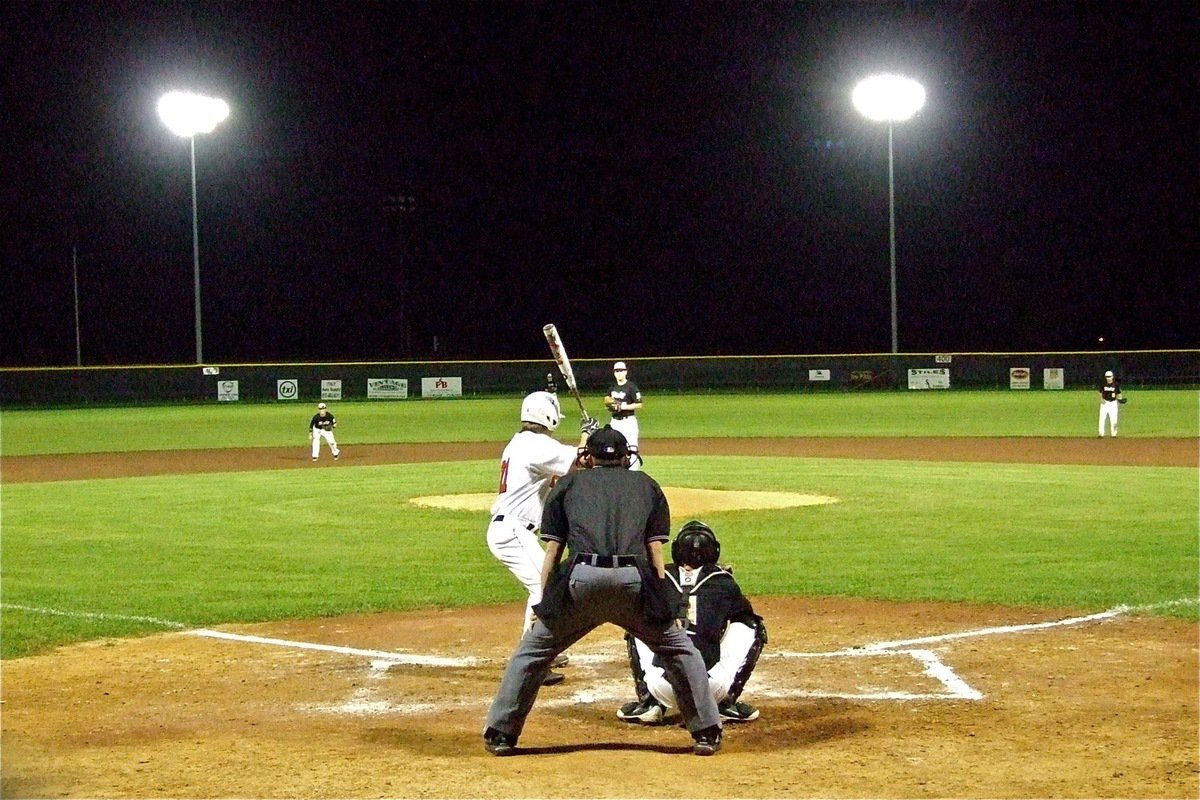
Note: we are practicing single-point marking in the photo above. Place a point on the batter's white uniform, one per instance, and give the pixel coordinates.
(528, 467)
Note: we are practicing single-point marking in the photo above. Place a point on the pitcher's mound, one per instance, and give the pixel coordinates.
(684, 502)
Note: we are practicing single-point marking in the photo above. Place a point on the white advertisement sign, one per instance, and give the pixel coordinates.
(227, 391)
(938, 378)
(287, 389)
(331, 390)
(1018, 377)
(1053, 378)
(818, 374)
(387, 388)
(441, 387)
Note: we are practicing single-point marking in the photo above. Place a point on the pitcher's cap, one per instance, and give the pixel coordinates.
(619, 366)
(320, 405)
(1108, 373)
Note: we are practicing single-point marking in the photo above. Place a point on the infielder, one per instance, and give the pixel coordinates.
(530, 464)
(321, 427)
(623, 401)
(722, 624)
(1110, 400)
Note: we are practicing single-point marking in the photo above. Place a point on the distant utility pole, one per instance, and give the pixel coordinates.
(396, 206)
(75, 283)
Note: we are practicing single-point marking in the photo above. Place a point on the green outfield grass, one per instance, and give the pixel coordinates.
(251, 546)
(957, 413)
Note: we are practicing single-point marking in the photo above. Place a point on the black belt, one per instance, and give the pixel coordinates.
(500, 518)
(606, 562)
(622, 416)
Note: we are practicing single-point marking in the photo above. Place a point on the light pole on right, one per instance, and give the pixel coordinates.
(891, 99)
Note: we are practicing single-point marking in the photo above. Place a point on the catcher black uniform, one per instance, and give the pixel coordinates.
(722, 624)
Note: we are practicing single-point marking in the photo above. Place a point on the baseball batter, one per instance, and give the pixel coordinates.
(1110, 402)
(321, 427)
(530, 464)
(623, 400)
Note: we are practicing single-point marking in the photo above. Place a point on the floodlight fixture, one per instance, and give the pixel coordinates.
(891, 99)
(187, 115)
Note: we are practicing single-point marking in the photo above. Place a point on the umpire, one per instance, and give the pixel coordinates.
(614, 522)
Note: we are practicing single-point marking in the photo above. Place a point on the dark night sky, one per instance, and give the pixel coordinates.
(656, 178)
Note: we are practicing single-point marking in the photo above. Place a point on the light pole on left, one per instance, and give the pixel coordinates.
(187, 115)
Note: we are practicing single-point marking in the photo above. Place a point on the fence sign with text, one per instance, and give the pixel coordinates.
(938, 378)
(387, 388)
(441, 387)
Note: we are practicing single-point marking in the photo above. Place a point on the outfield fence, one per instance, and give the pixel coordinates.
(152, 385)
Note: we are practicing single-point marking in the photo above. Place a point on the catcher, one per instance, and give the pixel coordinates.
(722, 624)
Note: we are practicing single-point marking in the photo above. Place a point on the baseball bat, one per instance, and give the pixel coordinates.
(559, 351)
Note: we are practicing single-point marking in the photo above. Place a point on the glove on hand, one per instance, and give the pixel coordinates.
(551, 386)
(588, 425)
(1123, 400)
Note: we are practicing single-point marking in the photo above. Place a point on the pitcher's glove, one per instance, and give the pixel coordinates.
(588, 425)
(551, 386)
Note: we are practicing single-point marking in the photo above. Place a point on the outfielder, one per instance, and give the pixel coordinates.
(321, 427)
(722, 624)
(530, 464)
(623, 401)
(1110, 401)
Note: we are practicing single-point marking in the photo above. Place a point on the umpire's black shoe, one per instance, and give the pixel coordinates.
(707, 742)
(499, 744)
(552, 678)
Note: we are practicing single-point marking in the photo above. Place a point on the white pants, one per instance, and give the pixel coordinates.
(628, 427)
(318, 435)
(735, 646)
(517, 548)
(1108, 411)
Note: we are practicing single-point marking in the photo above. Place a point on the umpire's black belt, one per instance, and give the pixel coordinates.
(607, 562)
(500, 518)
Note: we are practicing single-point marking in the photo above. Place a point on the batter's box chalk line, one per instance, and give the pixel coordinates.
(931, 665)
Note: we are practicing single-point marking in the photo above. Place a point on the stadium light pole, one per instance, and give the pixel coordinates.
(187, 115)
(890, 99)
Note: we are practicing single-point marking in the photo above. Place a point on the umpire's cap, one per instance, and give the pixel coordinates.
(607, 444)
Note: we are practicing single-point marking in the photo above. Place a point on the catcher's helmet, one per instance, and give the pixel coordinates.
(695, 545)
(541, 408)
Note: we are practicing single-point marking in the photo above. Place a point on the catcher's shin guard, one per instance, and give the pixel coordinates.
(635, 666)
(747, 668)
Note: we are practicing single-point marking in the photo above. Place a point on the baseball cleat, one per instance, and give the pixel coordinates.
(737, 712)
(499, 744)
(645, 712)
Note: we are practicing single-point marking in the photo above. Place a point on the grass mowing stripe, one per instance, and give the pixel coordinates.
(956, 413)
(272, 545)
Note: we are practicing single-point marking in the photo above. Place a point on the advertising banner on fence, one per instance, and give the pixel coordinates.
(1018, 377)
(818, 374)
(441, 387)
(331, 390)
(287, 389)
(227, 391)
(938, 378)
(1053, 378)
(387, 388)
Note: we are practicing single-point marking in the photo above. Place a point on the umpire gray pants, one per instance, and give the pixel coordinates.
(600, 595)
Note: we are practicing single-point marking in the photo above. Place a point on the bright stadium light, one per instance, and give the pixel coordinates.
(187, 114)
(890, 99)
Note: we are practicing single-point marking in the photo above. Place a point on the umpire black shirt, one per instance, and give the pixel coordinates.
(609, 511)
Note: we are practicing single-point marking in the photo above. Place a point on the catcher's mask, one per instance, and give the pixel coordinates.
(695, 545)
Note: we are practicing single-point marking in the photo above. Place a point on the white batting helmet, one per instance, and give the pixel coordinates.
(542, 408)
